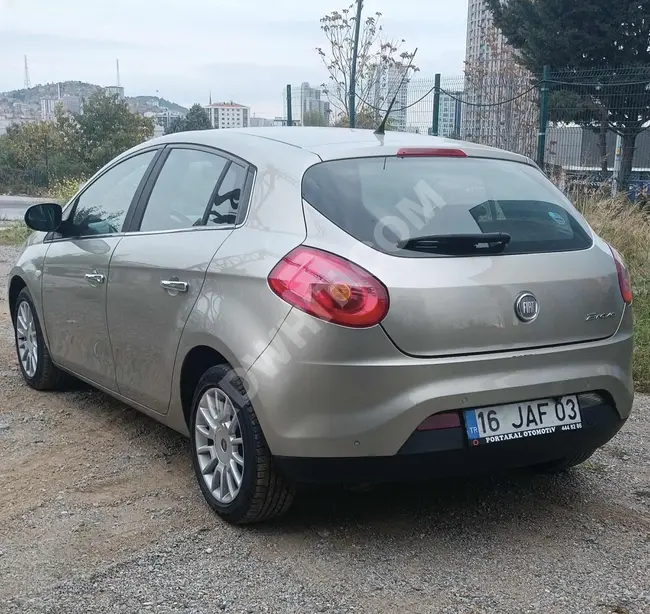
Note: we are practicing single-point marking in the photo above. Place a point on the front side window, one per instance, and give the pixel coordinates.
(183, 190)
(102, 207)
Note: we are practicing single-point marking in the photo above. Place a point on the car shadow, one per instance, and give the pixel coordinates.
(412, 508)
(441, 505)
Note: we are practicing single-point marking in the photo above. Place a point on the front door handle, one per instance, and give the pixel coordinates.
(95, 278)
(173, 286)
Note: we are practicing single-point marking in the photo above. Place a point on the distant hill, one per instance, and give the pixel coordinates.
(151, 102)
(32, 96)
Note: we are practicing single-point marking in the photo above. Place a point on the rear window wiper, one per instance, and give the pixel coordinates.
(458, 244)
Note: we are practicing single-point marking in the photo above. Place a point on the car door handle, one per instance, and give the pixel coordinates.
(173, 285)
(95, 278)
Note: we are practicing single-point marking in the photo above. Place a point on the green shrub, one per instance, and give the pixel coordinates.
(64, 189)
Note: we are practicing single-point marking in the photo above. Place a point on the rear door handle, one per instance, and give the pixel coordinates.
(95, 278)
(174, 286)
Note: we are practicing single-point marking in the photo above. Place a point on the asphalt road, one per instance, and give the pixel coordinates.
(13, 208)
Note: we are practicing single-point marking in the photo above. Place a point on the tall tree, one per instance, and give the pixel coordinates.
(37, 155)
(573, 36)
(176, 125)
(378, 56)
(106, 128)
(197, 118)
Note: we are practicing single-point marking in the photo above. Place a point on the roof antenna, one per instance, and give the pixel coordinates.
(382, 127)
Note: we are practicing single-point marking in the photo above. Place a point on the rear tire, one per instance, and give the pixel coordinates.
(229, 448)
(563, 464)
(39, 372)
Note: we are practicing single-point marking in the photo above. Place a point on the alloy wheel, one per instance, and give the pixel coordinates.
(219, 445)
(26, 339)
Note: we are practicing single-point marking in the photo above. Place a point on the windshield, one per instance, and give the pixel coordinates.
(390, 202)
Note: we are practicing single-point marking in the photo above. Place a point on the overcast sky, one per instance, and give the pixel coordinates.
(181, 49)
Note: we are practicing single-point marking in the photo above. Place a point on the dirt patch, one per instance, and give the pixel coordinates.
(99, 510)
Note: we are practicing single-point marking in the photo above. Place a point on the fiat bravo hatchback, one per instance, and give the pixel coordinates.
(331, 305)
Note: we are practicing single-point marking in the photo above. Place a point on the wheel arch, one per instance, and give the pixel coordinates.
(16, 285)
(195, 363)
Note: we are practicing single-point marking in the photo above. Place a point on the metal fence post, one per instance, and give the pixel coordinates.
(543, 117)
(618, 160)
(436, 106)
(289, 116)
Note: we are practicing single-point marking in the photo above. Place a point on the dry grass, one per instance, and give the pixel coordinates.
(627, 228)
(14, 234)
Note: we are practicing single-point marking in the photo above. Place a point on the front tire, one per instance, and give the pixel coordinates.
(39, 372)
(231, 458)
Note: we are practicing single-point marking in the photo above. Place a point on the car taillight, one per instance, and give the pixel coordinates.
(624, 282)
(330, 288)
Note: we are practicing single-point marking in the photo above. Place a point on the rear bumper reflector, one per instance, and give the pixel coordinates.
(436, 422)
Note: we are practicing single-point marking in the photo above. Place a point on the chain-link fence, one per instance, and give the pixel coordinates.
(592, 123)
(597, 122)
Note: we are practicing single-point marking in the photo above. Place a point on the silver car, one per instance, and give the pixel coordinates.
(324, 304)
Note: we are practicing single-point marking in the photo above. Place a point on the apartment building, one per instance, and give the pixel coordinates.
(228, 115)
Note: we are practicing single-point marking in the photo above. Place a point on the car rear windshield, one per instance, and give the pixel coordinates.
(392, 203)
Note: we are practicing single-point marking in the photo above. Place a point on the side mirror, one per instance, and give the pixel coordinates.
(44, 217)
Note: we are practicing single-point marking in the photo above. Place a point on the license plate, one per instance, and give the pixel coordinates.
(522, 420)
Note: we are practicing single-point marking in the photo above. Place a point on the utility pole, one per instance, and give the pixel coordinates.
(353, 73)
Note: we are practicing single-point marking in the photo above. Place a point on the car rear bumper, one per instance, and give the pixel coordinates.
(447, 453)
(326, 391)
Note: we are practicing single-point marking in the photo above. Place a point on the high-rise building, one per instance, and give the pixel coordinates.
(492, 77)
(450, 115)
(386, 82)
(228, 115)
(312, 101)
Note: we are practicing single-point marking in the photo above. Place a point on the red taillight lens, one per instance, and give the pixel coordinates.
(624, 282)
(330, 288)
(430, 152)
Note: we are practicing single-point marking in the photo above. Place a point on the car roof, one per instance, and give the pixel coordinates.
(261, 146)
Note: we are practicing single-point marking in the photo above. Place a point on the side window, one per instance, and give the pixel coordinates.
(183, 190)
(226, 202)
(102, 208)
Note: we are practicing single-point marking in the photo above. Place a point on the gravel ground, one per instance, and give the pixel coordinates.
(99, 512)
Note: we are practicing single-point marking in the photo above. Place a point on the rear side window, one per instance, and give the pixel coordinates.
(387, 202)
(183, 190)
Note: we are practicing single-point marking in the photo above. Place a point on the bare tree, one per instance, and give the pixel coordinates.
(377, 56)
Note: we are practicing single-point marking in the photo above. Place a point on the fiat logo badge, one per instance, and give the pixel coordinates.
(526, 307)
